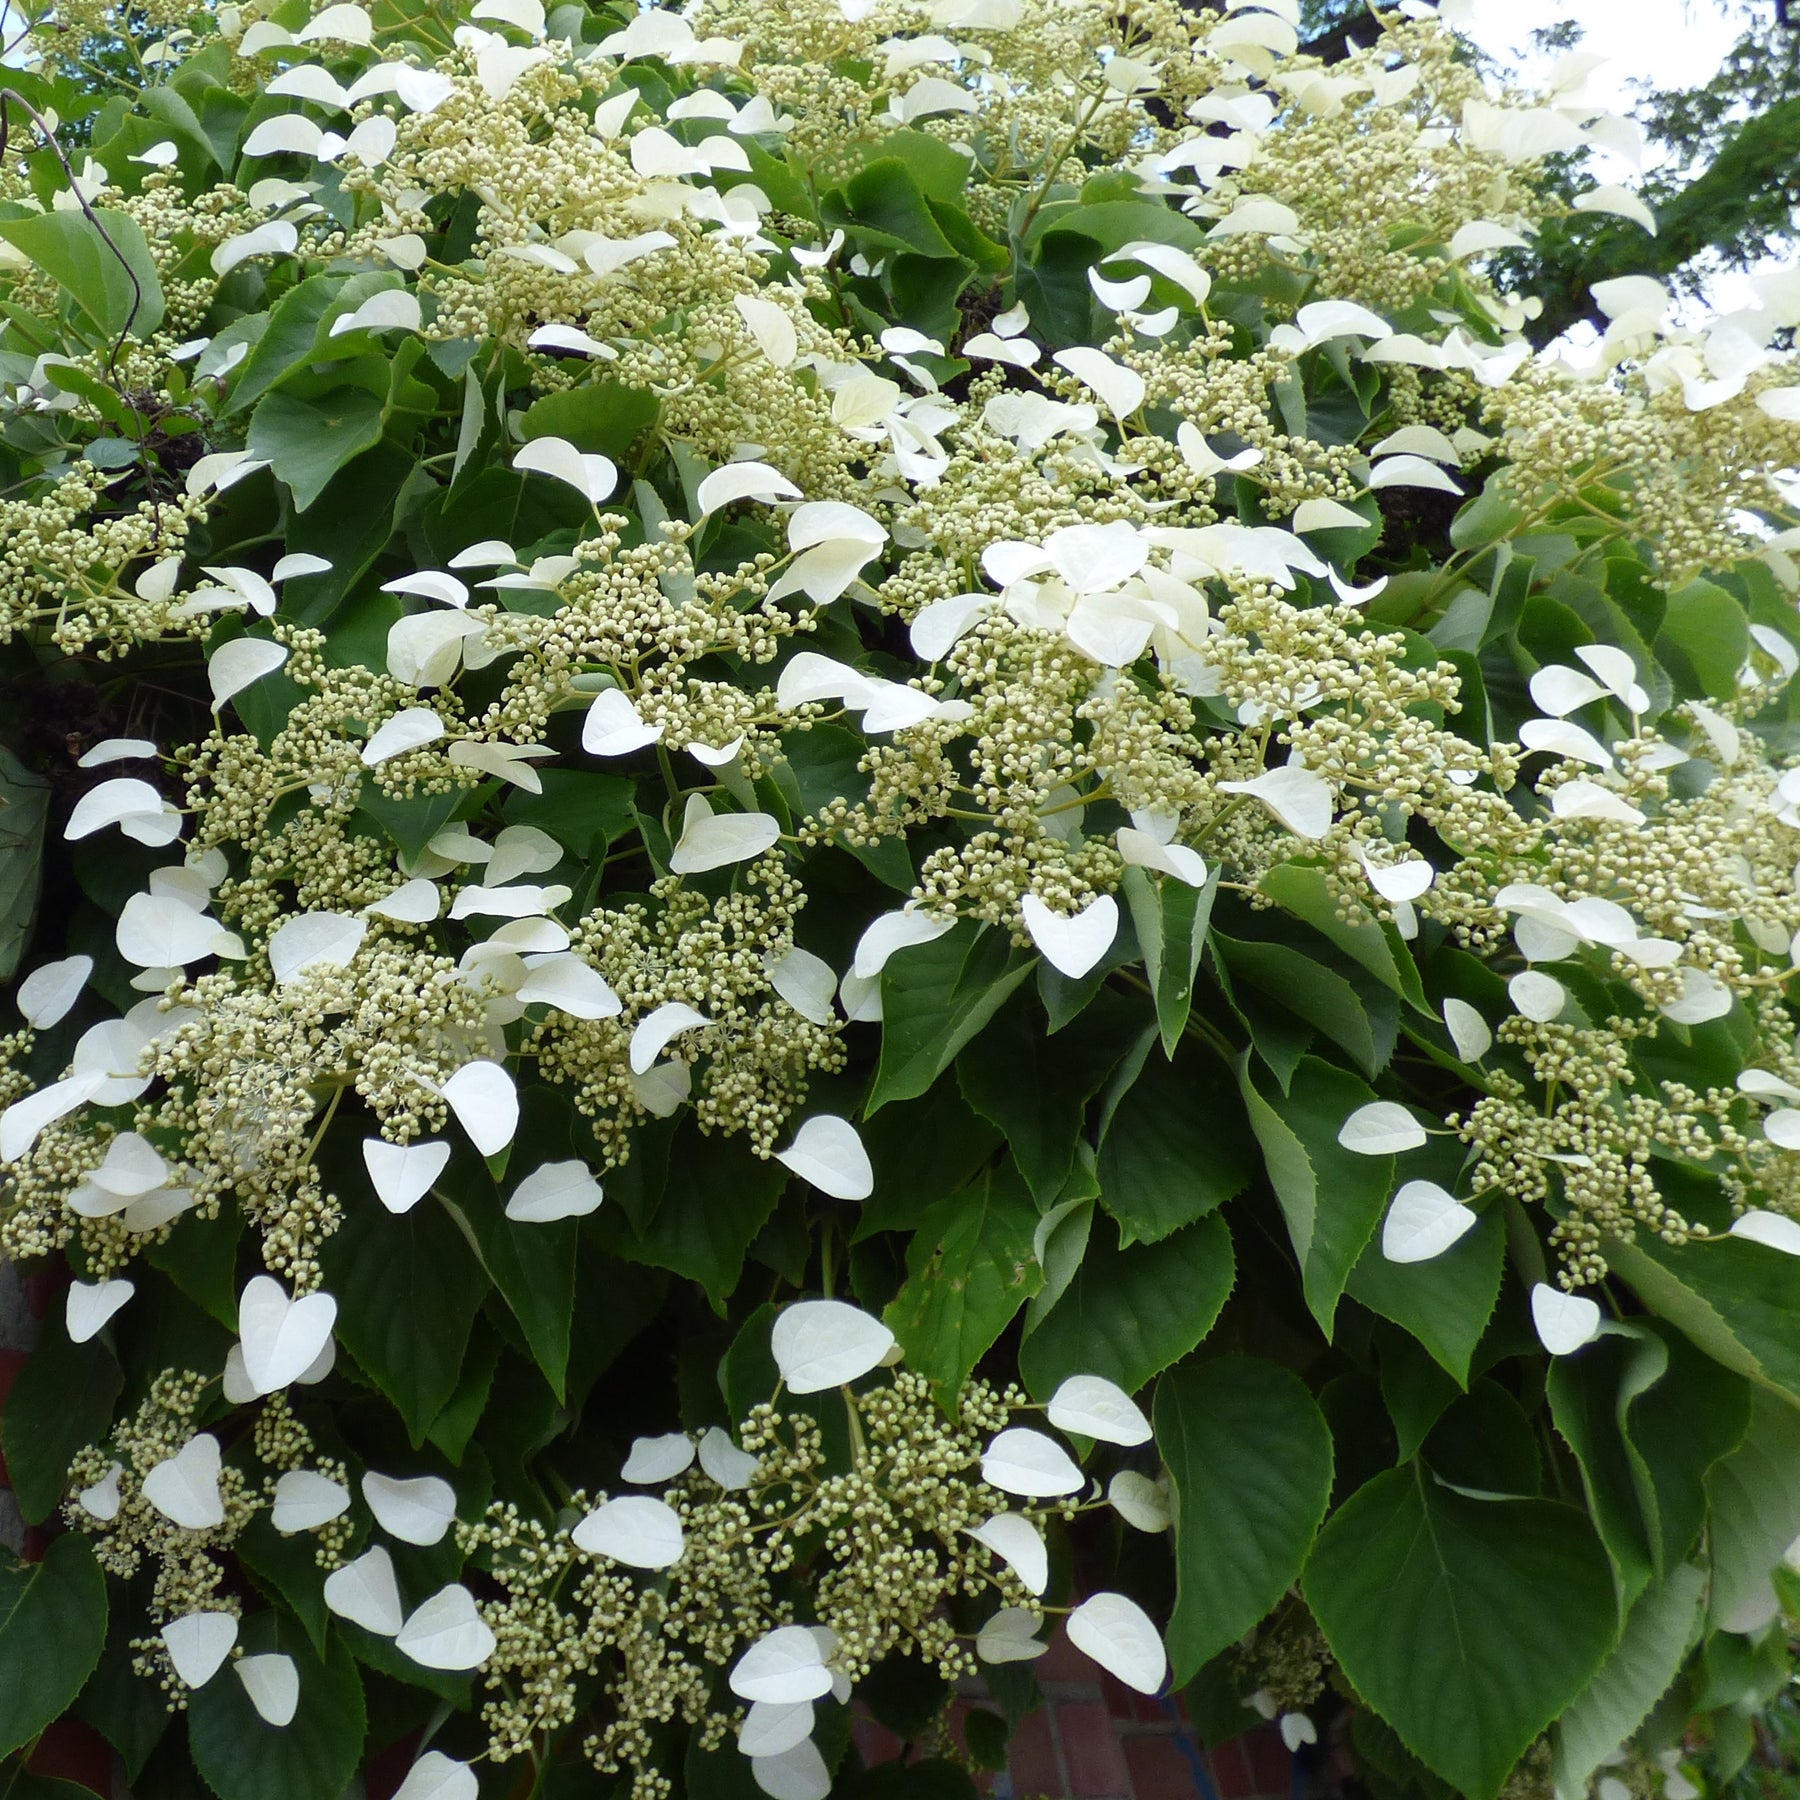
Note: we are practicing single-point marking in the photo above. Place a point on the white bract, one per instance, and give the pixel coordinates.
(1118, 1634)
(1564, 1321)
(827, 1152)
(1092, 1406)
(417, 1510)
(635, 1530)
(1021, 1461)
(821, 1344)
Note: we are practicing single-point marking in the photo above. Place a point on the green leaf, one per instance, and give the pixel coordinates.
(312, 1757)
(295, 321)
(61, 1402)
(1755, 1515)
(1305, 892)
(1331, 1197)
(24, 809)
(602, 416)
(1249, 1459)
(1662, 1628)
(920, 1151)
(1130, 1313)
(52, 1630)
(1035, 1088)
(1704, 639)
(969, 1268)
(1175, 1147)
(533, 1265)
(1170, 919)
(408, 1290)
(106, 269)
(1734, 1299)
(1467, 1624)
(882, 205)
(308, 441)
(1445, 1303)
(934, 998)
(1590, 1400)
(716, 1201)
(1310, 991)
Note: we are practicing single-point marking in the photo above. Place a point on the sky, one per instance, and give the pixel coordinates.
(1673, 43)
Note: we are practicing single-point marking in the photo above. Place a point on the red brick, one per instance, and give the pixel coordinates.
(1271, 1767)
(874, 1742)
(1091, 1751)
(1160, 1768)
(1231, 1771)
(1031, 1758)
(71, 1750)
(1121, 1702)
(1063, 1662)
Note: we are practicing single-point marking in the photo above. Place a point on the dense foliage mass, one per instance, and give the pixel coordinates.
(792, 761)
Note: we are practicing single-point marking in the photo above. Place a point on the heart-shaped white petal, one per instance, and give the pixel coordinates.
(415, 902)
(614, 727)
(91, 1304)
(1297, 1729)
(1423, 1222)
(416, 1511)
(1022, 1461)
(771, 1727)
(1072, 946)
(486, 1104)
(436, 1776)
(365, 1593)
(1469, 1031)
(1019, 1544)
(827, 1152)
(1297, 797)
(656, 1030)
(101, 1501)
(733, 1469)
(1776, 1230)
(591, 475)
(184, 1487)
(447, 1632)
(273, 1684)
(198, 1644)
(711, 840)
(1538, 996)
(806, 982)
(1564, 1321)
(796, 1774)
(1118, 1634)
(1382, 1128)
(744, 481)
(319, 940)
(402, 1174)
(1139, 1501)
(412, 729)
(50, 990)
(783, 1666)
(1010, 1636)
(895, 931)
(1097, 1408)
(281, 1337)
(655, 1459)
(636, 1530)
(237, 665)
(559, 1190)
(561, 979)
(820, 1344)
(305, 1500)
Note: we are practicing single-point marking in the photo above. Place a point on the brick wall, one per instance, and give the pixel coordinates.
(1093, 1739)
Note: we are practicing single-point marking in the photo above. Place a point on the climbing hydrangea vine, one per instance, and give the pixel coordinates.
(844, 830)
